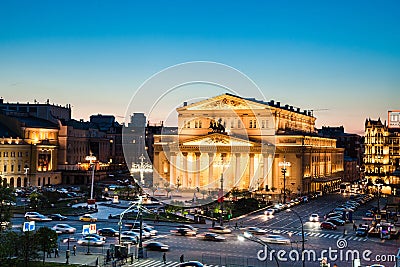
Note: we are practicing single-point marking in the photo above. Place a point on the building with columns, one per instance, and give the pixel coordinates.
(245, 143)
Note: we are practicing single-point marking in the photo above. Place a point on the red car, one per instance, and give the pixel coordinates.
(328, 225)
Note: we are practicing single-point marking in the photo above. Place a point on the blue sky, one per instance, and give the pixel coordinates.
(343, 56)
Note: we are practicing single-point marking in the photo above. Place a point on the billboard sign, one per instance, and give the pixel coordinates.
(394, 119)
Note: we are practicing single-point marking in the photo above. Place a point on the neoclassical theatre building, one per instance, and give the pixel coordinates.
(246, 143)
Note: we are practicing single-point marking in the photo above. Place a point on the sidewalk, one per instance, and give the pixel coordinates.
(80, 259)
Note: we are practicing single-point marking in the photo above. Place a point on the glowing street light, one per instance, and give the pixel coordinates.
(91, 159)
(142, 167)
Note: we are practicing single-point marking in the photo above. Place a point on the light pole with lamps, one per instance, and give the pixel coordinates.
(222, 164)
(91, 159)
(302, 235)
(284, 164)
(26, 168)
(142, 168)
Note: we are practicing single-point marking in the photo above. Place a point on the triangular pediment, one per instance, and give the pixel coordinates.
(225, 102)
(217, 139)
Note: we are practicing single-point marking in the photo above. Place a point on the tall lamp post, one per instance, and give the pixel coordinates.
(302, 235)
(222, 164)
(141, 168)
(284, 164)
(26, 168)
(91, 159)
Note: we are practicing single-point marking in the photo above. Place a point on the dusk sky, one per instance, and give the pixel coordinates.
(342, 56)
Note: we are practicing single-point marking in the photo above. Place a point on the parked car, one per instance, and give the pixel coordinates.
(256, 231)
(157, 246)
(213, 237)
(87, 218)
(220, 230)
(57, 217)
(328, 225)
(276, 239)
(64, 228)
(90, 240)
(108, 232)
(314, 217)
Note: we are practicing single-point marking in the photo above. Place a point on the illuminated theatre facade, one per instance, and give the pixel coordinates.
(246, 142)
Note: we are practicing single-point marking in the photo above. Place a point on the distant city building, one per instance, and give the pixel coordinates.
(353, 145)
(382, 147)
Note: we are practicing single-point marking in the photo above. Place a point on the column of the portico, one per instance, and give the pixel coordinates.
(251, 170)
(210, 169)
(270, 162)
(185, 172)
(237, 170)
(172, 172)
(197, 169)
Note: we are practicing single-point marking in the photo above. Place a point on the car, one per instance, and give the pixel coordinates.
(145, 234)
(64, 228)
(276, 239)
(256, 231)
(31, 213)
(213, 237)
(220, 230)
(187, 226)
(361, 231)
(269, 212)
(336, 221)
(135, 225)
(183, 232)
(129, 239)
(150, 230)
(328, 225)
(39, 218)
(96, 236)
(191, 264)
(57, 217)
(108, 232)
(314, 217)
(334, 214)
(131, 234)
(90, 241)
(156, 246)
(87, 218)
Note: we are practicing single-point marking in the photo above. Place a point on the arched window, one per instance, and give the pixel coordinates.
(5, 182)
(48, 181)
(25, 182)
(19, 182)
(44, 181)
(38, 181)
(12, 182)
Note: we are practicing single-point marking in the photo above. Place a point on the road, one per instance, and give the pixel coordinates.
(240, 253)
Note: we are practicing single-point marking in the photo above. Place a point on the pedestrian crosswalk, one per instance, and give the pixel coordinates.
(317, 234)
(159, 263)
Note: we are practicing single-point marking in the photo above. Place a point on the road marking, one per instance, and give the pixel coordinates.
(159, 263)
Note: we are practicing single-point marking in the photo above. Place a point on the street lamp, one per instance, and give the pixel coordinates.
(221, 193)
(26, 168)
(248, 236)
(91, 159)
(284, 164)
(379, 185)
(302, 235)
(141, 168)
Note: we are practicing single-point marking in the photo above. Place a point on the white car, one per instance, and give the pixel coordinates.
(39, 218)
(269, 212)
(256, 231)
(145, 234)
(130, 234)
(276, 239)
(64, 228)
(220, 230)
(90, 240)
(31, 214)
(314, 217)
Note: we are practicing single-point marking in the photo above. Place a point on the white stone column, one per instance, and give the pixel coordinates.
(172, 174)
(251, 170)
(197, 169)
(210, 169)
(237, 170)
(185, 173)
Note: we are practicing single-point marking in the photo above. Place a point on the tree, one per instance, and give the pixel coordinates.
(6, 198)
(168, 188)
(46, 239)
(153, 189)
(203, 192)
